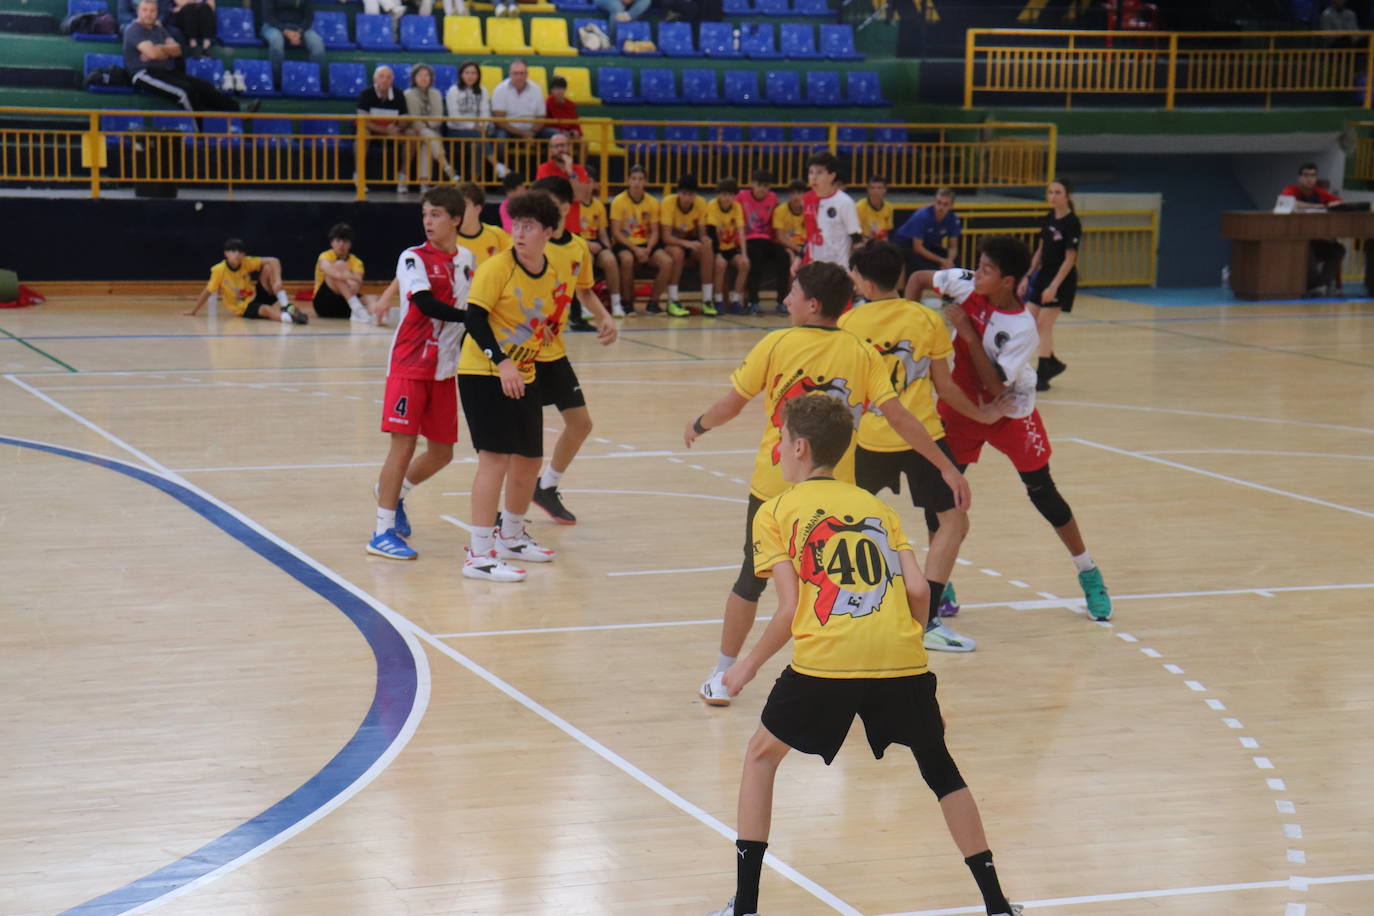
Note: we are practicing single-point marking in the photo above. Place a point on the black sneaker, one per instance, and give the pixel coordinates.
(1052, 367)
(580, 324)
(547, 498)
(653, 308)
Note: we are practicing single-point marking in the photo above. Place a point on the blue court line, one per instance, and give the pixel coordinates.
(392, 702)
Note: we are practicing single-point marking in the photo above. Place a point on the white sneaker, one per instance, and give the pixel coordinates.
(941, 638)
(226, 81)
(491, 568)
(361, 316)
(714, 693)
(617, 311)
(240, 85)
(729, 910)
(523, 548)
(499, 10)
(402, 183)
(502, 170)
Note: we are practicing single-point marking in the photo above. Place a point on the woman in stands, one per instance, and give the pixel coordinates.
(1053, 278)
(467, 101)
(196, 20)
(424, 101)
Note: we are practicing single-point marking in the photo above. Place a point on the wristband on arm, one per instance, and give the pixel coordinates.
(698, 428)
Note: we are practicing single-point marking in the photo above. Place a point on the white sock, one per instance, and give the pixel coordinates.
(550, 478)
(672, 291)
(406, 487)
(286, 317)
(282, 300)
(708, 292)
(736, 297)
(356, 304)
(386, 520)
(483, 541)
(723, 663)
(393, 315)
(512, 525)
(1084, 562)
(615, 300)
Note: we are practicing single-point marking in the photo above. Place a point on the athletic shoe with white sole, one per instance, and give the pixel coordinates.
(402, 525)
(1095, 590)
(941, 638)
(547, 498)
(1016, 910)
(297, 316)
(729, 910)
(713, 690)
(676, 309)
(617, 310)
(949, 602)
(491, 567)
(391, 546)
(523, 548)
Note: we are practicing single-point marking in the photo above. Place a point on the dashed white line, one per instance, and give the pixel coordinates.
(1173, 669)
(1194, 685)
(1128, 637)
(1217, 705)
(1295, 909)
(1292, 831)
(1285, 807)
(1018, 583)
(1264, 763)
(1278, 785)
(990, 572)
(1151, 653)
(1249, 743)
(1232, 723)
(1297, 856)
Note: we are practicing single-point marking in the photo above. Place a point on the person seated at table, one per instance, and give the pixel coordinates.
(1326, 255)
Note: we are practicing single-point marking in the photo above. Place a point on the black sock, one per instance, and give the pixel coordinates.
(748, 867)
(937, 590)
(985, 873)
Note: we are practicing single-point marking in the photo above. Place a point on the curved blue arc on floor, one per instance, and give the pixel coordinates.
(392, 702)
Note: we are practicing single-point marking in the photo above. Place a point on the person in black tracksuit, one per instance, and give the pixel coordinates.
(1052, 283)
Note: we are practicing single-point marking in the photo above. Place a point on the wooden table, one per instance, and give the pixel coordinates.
(1269, 251)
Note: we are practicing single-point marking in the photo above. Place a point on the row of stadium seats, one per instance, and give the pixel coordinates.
(615, 86)
(734, 7)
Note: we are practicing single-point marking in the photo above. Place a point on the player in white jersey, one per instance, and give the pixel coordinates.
(421, 393)
(831, 219)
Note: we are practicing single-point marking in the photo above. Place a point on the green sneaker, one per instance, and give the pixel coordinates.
(1095, 590)
(708, 309)
(676, 310)
(949, 602)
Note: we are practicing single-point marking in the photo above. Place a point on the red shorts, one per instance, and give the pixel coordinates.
(1023, 440)
(421, 407)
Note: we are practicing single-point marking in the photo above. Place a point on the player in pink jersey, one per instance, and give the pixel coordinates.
(421, 393)
(767, 258)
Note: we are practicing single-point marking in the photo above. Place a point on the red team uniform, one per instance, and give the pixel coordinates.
(421, 392)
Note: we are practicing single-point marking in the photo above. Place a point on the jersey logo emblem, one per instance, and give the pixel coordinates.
(837, 388)
(851, 564)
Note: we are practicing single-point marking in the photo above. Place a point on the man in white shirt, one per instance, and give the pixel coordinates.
(515, 100)
(830, 218)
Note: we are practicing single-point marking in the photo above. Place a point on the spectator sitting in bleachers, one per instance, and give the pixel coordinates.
(424, 101)
(618, 11)
(287, 22)
(196, 21)
(561, 164)
(1338, 18)
(562, 111)
(382, 99)
(150, 54)
(515, 101)
(468, 99)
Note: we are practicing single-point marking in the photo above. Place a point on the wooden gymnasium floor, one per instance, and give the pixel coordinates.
(216, 702)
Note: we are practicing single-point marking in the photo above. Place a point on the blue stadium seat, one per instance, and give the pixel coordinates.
(120, 124)
(210, 69)
(823, 87)
(772, 8)
(770, 137)
(675, 39)
(257, 78)
(848, 137)
(837, 42)
(445, 75)
(323, 137)
(419, 33)
(658, 87)
(682, 136)
(863, 89)
(699, 87)
(275, 133)
(373, 32)
(756, 41)
(347, 80)
(226, 134)
(95, 62)
(402, 74)
(76, 7)
(738, 8)
(333, 29)
(894, 135)
(602, 24)
(718, 40)
(783, 87)
(637, 30)
(812, 8)
(174, 124)
(575, 6)
(615, 85)
(300, 79)
(729, 135)
(815, 136)
(742, 88)
(637, 138)
(797, 41)
(234, 27)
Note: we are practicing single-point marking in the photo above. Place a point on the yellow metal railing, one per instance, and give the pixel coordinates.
(1360, 164)
(230, 149)
(1071, 62)
(1119, 247)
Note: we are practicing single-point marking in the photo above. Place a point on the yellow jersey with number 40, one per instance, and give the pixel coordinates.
(808, 360)
(572, 258)
(522, 308)
(853, 618)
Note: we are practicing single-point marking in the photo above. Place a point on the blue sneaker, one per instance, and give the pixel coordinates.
(949, 602)
(391, 546)
(1095, 591)
(402, 521)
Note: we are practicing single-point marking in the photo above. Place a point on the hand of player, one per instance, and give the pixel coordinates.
(606, 331)
(641, 254)
(959, 320)
(958, 485)
(690, 434)
(947, 263)
(1022, 288)
(736, 676)
(511, 382)
(192, 313)
(1050, 294)
(995, 409)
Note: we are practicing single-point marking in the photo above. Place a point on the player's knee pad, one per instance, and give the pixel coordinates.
(939, 770)
(749, 586)
(1044, 495)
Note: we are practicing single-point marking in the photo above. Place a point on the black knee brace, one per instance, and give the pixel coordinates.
(939, 770)
(1044, 495)
(749, 586)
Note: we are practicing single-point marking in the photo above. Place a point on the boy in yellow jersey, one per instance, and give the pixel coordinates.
(789, 228)
(635, 240)
(596, 229)
(558, 384)
(915, 346)
(250, 287)
(813, 355)
(339, 279)
(852, 599)
(683, 219)
(726, 218)
(875, 216)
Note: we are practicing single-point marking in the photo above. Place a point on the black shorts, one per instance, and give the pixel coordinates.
(329, 304)
(617, 248)
(264, 297)
(558, 385)
(748, 585)
(500, 424)
(813, 715)
(874, 471)
(1063, 299)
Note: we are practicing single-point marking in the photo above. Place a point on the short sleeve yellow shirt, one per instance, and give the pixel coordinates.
(875, 224)
(789, 226)
(684, 224)
(572, 258)
(728, 223)
(637, 219)
(593, 219)
(523, 310)
(487, 243)
(236, 288)
(355, 264)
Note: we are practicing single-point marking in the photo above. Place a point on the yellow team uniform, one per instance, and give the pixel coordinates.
(729, 226)
(487, 243)
(521, 308)
(684, 225)
(789, 226)
(594, 220)
(875, 224)
(355, 264)
(571, 258)
(235, 287)
(636, 219)
(797, 361)
(853, 619)
(909, 337)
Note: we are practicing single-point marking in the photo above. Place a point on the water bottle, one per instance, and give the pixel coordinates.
(1226, 278)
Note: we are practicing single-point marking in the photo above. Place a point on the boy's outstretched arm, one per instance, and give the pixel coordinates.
(722, 411)
(775, 635)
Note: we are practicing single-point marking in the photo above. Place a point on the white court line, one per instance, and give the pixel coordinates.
(1226, 477)
(1251, 451)
(583, 629)
(727, 499)
(464, 460)
(1204, 413)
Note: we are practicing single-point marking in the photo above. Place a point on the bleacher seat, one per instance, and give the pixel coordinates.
(275, 133)
(823, 87)
(658, 87)
(682, 136)
(579, 84)
(419, 33)
(492, 75)
(76, 7)
(323, 137)
(347, 80)
(812, 8)
(770, 138)
(813, 135)
(507, 36)
(783, 87)
(210, 69)
(401, 72)
(95, 62)
(742, 88)
(772, 8)
(675, 39)
(373, 32)
(234, 27)
(616, 85)
(718, 40)
(729, 135)
(638, 138)
(797, 41)
(333, 30)
(603, 25)
(225, 135)
(300, 79)
(699, 87)
(463, 35)
(891, 135)
(846, 138)
(756, 41)
(118, 123)
(638, 30)
(173, 123)
(575, 6)
(539, 75)
(738, 8)
(837, 42)
(445, 75)
(549, 36)
(257, 78)
(862, 88)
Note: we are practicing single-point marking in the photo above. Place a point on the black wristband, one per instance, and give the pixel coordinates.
(698, 428)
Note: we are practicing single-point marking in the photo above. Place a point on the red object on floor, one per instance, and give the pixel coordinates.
(27, 296)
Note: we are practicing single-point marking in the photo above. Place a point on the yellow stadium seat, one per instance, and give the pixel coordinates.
(579, 84)
(463, 35)
(540, 76)
(507, 36)
(549, 35)
(492, 75)
(593, 135)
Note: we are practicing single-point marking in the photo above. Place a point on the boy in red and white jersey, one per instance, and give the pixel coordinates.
(421, 393)
(831, 219)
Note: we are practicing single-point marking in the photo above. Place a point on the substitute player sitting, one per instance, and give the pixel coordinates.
(250, 287)
(852, 598)
(421, 395)
(725, 217)
(596, 230)
(339, 279)
(682, 218)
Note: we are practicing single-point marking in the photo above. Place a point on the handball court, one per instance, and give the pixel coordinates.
(217, 703)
